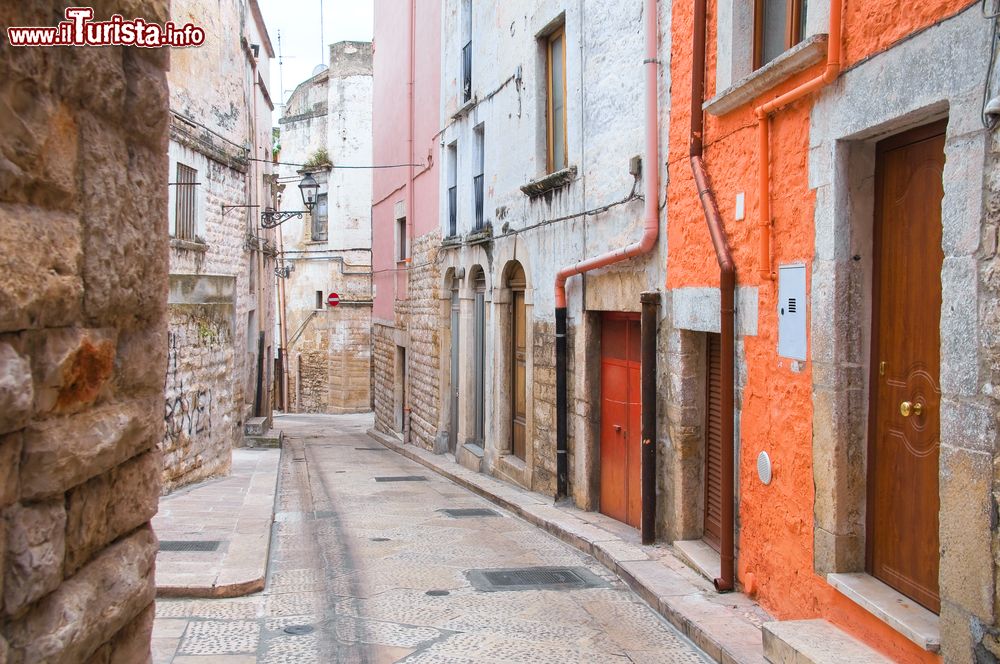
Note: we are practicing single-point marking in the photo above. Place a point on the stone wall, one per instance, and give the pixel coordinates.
(383, 376)
(214, 362)
(200, 427)
(420, 315)
(82, 343)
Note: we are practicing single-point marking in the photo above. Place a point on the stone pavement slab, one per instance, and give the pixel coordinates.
(233, 514)
(726, 626)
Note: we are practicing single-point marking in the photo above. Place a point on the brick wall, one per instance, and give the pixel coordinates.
(82, 343)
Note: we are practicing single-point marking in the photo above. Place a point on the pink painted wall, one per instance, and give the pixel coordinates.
(390, 126)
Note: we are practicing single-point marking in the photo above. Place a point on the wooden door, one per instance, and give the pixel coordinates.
(904, 426)
(519, 376)
(455, 381)
(621, 418)
(712, 526)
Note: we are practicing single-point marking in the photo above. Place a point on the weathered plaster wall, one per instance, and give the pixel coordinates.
(330, 348)
(214, 118)
(82, 343)
(782, 559)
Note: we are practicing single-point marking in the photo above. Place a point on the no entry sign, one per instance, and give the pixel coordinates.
(333, 300)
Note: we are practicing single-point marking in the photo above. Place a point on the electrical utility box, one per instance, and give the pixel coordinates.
(792, 311)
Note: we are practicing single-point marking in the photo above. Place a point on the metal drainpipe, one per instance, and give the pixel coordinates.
(650, 306)
(727, 288)
(651, 230)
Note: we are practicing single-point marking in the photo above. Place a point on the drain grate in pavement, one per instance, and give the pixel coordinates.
(534, 578)
(190, 545)
(299, 630)
(371, 449)
(402, 478)
(469, 513)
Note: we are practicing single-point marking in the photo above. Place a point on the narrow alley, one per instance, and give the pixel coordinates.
(367, 565)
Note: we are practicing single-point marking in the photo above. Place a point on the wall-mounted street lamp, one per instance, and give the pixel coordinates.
(271, 218)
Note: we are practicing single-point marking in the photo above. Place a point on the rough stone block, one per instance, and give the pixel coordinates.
(33, 563)
(966, 544)
(107, 507)
(91, 607)
(40, 284)
(131, 644)
(16, 391)
(62, 453)
(71, 366)
(10, 459)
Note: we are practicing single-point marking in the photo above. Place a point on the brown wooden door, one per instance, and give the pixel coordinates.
(519, 377)
(713, 442)
(621, 418)
(902, 542)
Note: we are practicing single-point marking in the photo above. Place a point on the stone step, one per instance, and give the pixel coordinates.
(470, 456)
(274, 438)
(814, 642)
(256, 426)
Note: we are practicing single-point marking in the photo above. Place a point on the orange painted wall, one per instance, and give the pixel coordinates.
(776, 537)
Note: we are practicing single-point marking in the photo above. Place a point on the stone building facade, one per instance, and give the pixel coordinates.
(406, 236)
(83, 343)
(327, 123)
(508, 219)
(872, 433)
(221, 303)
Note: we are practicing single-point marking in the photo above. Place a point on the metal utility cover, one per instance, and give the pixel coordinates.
(792, 311)
(402, 478)
(469, 513)
(190, 545)
(371, 449)
(533, 578)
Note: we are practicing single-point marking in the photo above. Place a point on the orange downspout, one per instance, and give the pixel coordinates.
(651, 229)
(830, 74)
(727, 303)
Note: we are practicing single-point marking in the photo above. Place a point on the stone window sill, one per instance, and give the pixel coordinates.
(465, 108)
(451, 241)
(891, 607)
(796, 59)
(549, 182)
(484, 234)
(189, 245)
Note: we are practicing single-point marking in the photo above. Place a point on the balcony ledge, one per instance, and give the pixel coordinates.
(189, 245)
(549, 182)
(796, 59)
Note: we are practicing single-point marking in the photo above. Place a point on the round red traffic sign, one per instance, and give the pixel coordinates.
(333, 300)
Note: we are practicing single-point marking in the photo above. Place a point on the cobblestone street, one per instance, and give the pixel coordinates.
(370, 570)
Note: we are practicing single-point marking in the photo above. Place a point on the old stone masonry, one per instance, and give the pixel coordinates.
(482, 331)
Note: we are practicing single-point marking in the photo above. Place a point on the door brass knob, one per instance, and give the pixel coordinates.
(618, 428)
(907, 408)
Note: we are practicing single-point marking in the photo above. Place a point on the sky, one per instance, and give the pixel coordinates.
(301, 47)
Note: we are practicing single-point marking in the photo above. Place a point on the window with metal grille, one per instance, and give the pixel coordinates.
(453, 190)
(467, 51)
(185, 196)
(477, 179)
(319, 219)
